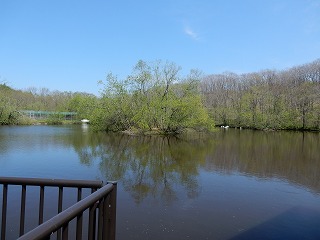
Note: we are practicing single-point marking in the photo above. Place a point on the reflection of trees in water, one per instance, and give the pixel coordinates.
(147, 166)
(153, 165)
(293, 156)
(157, 166)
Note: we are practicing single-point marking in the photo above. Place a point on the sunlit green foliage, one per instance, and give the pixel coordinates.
(8, 106)
(152, 98)
(83, 104)
(155, 98)
(268, 99)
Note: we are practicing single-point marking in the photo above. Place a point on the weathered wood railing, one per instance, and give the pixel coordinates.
(101, 205)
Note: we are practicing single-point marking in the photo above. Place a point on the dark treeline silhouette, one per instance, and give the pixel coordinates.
(269, 99)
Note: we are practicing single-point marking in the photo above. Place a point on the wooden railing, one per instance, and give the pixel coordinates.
(100, 204)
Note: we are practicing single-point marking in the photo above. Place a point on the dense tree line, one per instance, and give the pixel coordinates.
(152, 98)
(12, 101)
(288, 99)
(155, 97)
(8, 106)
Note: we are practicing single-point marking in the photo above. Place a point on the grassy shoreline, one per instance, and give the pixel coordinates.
(137, 132)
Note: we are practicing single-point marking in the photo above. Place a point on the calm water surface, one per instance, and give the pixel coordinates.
(233, 184)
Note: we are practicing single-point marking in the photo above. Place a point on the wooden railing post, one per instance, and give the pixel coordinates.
(4, 211)
(102, 200)
(110, 215)
(23, 209)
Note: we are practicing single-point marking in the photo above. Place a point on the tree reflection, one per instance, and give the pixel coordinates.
(158, 167)
(147, 166)
(152, 165)
(293, 156)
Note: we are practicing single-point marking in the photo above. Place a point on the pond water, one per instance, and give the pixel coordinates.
(232, 184)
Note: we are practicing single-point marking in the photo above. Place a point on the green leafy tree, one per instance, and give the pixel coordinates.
(8, 106)
(153, 97)
(83, 103)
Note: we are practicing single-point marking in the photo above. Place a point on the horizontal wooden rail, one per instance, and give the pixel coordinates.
(44, 230)
(101, 202)
(51, 182)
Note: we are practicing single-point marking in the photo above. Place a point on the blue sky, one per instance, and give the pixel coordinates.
(69, 45)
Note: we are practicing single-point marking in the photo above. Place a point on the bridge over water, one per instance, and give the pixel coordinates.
(47, 114)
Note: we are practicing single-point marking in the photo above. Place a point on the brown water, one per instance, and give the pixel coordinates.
(233, 184)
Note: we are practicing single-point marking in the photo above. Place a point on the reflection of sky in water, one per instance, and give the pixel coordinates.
(41, 151)
(246, 202)
(219, 188)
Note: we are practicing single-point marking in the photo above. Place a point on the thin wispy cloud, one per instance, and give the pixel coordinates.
(188, 31)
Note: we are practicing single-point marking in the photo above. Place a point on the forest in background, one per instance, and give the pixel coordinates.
(40, 99)
(155, 96)
(269, 99)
